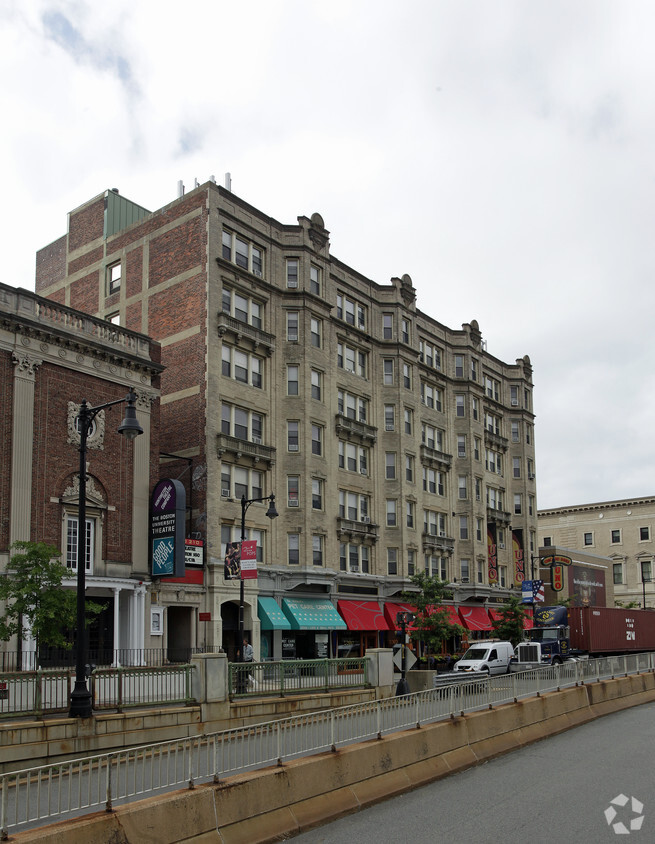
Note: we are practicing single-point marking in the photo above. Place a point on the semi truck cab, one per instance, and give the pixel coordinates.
(548, 643)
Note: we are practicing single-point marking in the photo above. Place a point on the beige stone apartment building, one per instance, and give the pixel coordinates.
(392, 442)
(621, 531)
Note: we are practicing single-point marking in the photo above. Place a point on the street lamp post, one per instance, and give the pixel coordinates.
(81, 695)
(272, 514)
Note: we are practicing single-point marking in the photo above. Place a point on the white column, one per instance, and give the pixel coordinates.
(141, 622)
(117, 626)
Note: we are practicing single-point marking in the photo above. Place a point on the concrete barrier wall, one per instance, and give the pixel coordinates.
(271, 804)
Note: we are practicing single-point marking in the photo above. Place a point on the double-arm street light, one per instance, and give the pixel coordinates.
(272, 514)
(81, 704)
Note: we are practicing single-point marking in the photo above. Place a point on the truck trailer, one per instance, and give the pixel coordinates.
(562, 633)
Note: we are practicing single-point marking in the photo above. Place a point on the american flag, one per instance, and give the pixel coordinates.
(538, 590)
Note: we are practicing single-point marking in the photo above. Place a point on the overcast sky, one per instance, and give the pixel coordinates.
(501, 153)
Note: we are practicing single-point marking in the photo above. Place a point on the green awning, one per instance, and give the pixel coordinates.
(312, 614)
(271, 616)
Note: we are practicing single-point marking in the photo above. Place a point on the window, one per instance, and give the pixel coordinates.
(411, 562)
(526, 399)
(241, 366)
(315, 280)
(516, 467)
(494, 498)
(317, 549)
(293, 440)
(392, 561)
(317, 494)
(432, 565)
(463, 527)
(644, 534)
(531, 510)
(480, 572)
(244, 254)
(292, 273)
(409, 420)
(646, 571)
(292, 326)
(493, 461)
(530, 469)
(475, 405)
(502, 576)
(293, 490)
(387, 326)
(316, 384)
(353, 407)
(518, 503)
(242, 424)
(410, 509)
(404, 330)
(390, 465)
(492, 423)
(616, 537)
(548, 541)
(617, 571)
(392, 518)
(461, 445)
(432, 437)
(387, 368)
(462, 487)
(459, 406)
(317, 439)
(477, 447)
(528, 434)
(409, 468)
(492, 388)
(238, 481)
(352, 360)
(407, 376)
(293, 549)
(474, 369)
(478, 489)
(516, 436)
(353, 458)
(588, 539)
(389, 417)
(429, 355)
(115, 318)
(431, 396)
(459, 366)
(479, 524)
(465, 570)
(434, 523)
(114, 275)
(514, 396)
(351, 312)
(433, 481)
(292, 380)
(72, 535)
(316, 332)
(354, 506)
(353, 558)
(242, 308)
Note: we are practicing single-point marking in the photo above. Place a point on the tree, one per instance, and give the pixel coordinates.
(432, 624)
(32, 592)
(509, 627)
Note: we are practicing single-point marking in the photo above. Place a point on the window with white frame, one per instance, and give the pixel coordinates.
(518, 503)
(390, 465)
(241, 481)
(353, 457)
(387, 370)
(292, 273)
(465, 570)
(463, 527)
(316, 332)
(409, 468)
(409, 420)
(434, 523)
(460, 405)
(461, 445)
(411, 562)
(431, 396)
(493, 461)
(352, 406)
(475, 408)
(404, 330)
(492, 423)
(114, 276)
(494, 498)
(293, 379)
(389, 417)
(316, 378)
(317, 549)
(241, 366)
(474, 369)
(354, 558)
(315, 280)
(293, 549)
(459, 366)
(354, 506)
(317, 493)
(617, 572)
(479, 528)
(462, 487)
(243, 253)
(352, 360)
(351, 312)
(516, 467)
(242, 308)
(516, 431)
(492, 387)
(317, 439)
(514, 395)
(480, 571)
(429, 354)
(392, 512)
(293, 435)
(407, 376)
(433, 437)
(477, 447)
(434, 481)
(410, 509)
(387, 326)
(292, 326)
(242, 424)
(392, 561)
(72, 539)
(293, 490)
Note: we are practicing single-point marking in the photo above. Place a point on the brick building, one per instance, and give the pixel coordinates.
(392, 442)
(52, 357)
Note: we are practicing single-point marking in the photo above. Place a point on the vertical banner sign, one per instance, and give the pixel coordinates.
(526, 592)
(167, 528)
(249, 559)
(557, 578)
(232, 561)
(519, 561)
(492, 559)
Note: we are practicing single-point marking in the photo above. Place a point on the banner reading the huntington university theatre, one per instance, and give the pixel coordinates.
(167, 528)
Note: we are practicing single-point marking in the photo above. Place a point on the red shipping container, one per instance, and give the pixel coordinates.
(607, 630)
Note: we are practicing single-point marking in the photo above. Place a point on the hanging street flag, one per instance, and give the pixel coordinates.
(248, 559)
(232, 561)
(538, 590)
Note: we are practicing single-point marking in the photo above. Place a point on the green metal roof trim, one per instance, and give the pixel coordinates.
(271, 616)
(120, 213)
(312, 614)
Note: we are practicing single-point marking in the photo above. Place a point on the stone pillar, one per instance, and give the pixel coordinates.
(25, 367)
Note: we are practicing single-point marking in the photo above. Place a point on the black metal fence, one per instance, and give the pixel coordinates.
(103, 657)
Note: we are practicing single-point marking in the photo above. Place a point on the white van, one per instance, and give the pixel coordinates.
(493, 657)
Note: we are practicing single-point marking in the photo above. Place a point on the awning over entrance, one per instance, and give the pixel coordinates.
(312, 614)
(453, 618)
(475, 618)
(363, 615)
(271, 616)
(392, 610)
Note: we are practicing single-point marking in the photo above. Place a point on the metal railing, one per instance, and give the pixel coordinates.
(105, 657)
(35, 796)
(47, 692)
(255, 679)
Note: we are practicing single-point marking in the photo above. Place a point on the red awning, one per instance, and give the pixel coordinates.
(391, 610)
(527, 621)
(475, 618)
(362, 615)
(453, 618)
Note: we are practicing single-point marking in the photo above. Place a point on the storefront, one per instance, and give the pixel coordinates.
(366, 623)
(273, 625)
(311, 620)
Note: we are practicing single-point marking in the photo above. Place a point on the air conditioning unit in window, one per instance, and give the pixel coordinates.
(442, 534)
(389, 426)
(225, 493)
(366, 520)
(465, 580)
(258, 273)
(515, 402)
(501, 545)
(292, 284)
(293, 447)
(293, 502)
(531, 476)
(257, 440)
(354, 569)
(363, 472)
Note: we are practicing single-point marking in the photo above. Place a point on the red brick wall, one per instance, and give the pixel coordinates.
(133, 319)
(84, 293)
(51, 264)
(6, 404)
(134, 272)
(159, 220)
(178, 250)
(177, 308)
(85, 260)
(86, 224)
